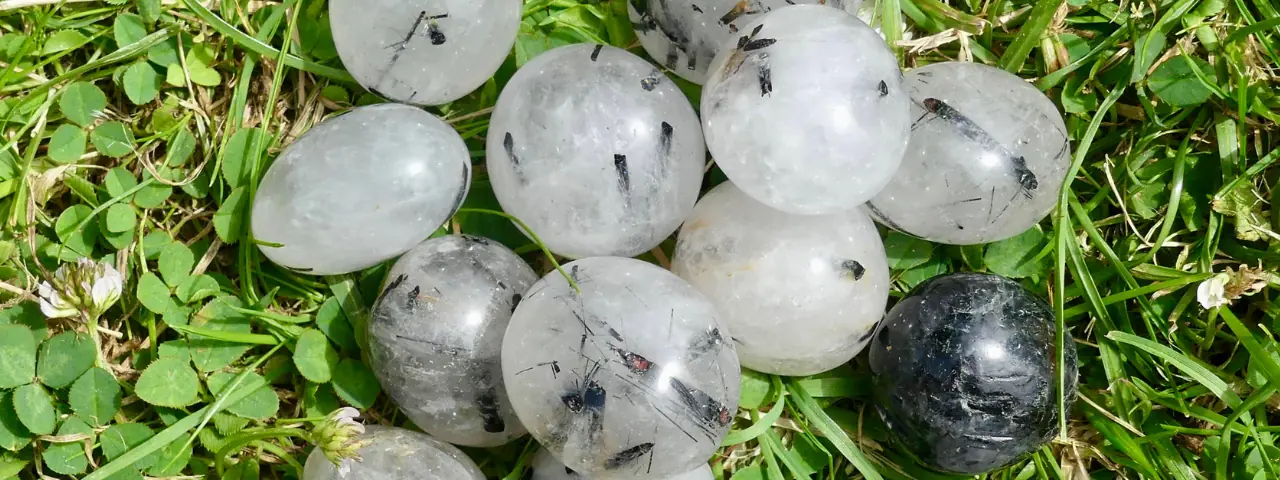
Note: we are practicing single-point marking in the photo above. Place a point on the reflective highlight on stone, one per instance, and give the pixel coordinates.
(435, 337)
(397, 454)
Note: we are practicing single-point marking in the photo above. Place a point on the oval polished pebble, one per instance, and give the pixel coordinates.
(596, 150)
(965, 372)
(802, 294)
(633, 377)
(435, 337)
(360, 188)
(987, 159)
(396, 454)
(805, 111)
(424, 52)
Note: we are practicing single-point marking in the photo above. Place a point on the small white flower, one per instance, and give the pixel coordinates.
(1212, 293)
(346, 417)
(338, 437)
(107, 285)
(53, 304)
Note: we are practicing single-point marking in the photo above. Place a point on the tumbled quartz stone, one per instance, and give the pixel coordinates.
(546, 467)
(435, 337)
(801, 293)
(686, 35)
(965, 372)
(987, 158)
(424, 52)
(805, 112)
(396, 454)
(360, 188)
(634, 377)
(596, 150)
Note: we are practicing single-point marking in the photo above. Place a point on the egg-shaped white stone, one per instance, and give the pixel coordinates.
(424, 52)
(988, 156)
(805, 112)
(686, 35)
(633, 377)
(435, 337)
(360, 188)
(546, 467)
(596, 150)
(396, 454)
(802, 294)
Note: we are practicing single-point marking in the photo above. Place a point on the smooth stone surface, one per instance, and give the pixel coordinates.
(360, 188)
(424, 52)
(596, 150)
(686, 35)
(633, 378)
(397, 454)
(964, 372)
(805, 110)
(987, 159)
(801, 293)
(435, 337)
(546, 467)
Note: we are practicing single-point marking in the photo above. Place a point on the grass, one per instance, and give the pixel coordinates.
(135, 131)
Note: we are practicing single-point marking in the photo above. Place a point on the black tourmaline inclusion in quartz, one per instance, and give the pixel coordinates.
(965, 372)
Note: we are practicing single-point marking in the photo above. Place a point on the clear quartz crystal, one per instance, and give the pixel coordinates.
(360, 188)
(686, 35)
(802, 294)
(987, 159)
(424, 52)
(546, 467)
(804, 110)
(596, 150)
(635, 377)
(396, 454)
(435, 337)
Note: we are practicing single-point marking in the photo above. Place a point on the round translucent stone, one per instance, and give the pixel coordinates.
(805, 112)
(546, 467)
(435, 337)
(396, 454)
(987, 159)
(596, 150)
(686, 35)
(801, 293)
(634, 377)
(965, 372)
(360, 188)
(423, 52)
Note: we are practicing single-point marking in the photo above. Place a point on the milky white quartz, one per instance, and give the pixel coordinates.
(802, 294)
(546, 467)
(397, 454)
(805, 111)
(633, 378)
(685, 35)
(596, 150)
(987, 159)
(435, 337)
(360, 188)
(424, 52)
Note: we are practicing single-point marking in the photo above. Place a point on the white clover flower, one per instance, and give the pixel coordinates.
(338, 438)
(84, 286)
(53, 304)
(106, 289)
(1212, 293)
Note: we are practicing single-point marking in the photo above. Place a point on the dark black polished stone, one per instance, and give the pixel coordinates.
(965, 374)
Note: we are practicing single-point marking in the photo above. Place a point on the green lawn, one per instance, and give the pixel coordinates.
(135, 131)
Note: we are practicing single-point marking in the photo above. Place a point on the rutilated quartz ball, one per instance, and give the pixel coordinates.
(546, 467)
(596, 150)
(360, 188)
(802, 294)
(435, 337)
(987, 159)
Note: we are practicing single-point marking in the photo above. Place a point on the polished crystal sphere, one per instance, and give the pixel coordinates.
(424, 52)
(546, 467)
(965, 372)
(802, 294)
(396, 454)
(435, 337)
(359, 189)
(804, 110)
(634, 377)
(596, 150)
(987, 158)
